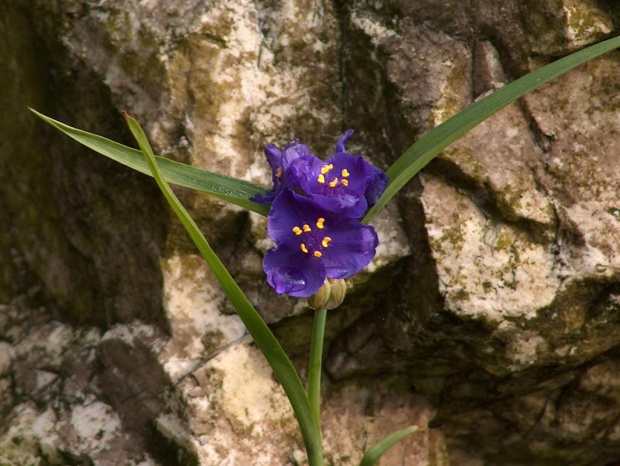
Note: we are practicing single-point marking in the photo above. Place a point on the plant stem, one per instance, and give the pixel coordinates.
(314, 367)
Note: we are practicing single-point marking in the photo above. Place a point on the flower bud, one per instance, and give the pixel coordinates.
(338, 292)
(320, 299)
(329, 296)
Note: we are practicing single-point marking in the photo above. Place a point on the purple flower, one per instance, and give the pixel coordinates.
(376, 179)
(338, 184)
(345, 184)
(313, 244)
(279, 162)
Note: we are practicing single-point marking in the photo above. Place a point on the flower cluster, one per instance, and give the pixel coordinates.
(314, 216)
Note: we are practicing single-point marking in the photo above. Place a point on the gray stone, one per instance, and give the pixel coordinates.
(489, 317)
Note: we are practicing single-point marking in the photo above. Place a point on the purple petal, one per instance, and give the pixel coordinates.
(266, 198)
(279, 161)
(346, 203)
(293, 151)
(289, 210)
(346, 196)
(291, 272)
(358, 169)
(377, 183)
(347, 200)
(274, 158)
(300, 170)
(352, 247)
(343, 140)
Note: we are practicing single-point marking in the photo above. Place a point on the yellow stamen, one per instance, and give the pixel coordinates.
(321, 179)
(304, 248)
(307, 228)
(297, 231)
(326, 241)
(326, 168)
(333, 183)
(345, 173)
(279, 172)
(344, 183)
(319, 223)
(317, 254)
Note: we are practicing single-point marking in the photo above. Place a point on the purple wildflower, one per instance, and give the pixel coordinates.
(313, 244)
(345, 184)
(279, 161)
(338, 184)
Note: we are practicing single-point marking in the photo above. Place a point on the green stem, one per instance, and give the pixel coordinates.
(314, 368)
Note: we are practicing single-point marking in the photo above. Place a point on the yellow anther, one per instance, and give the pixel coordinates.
(326, 241)
(333, 183)
(344, 182)
(321, 179)
(319, 223)
(317, 254)
(307, 228)
(326, 168)
(304, 248)
(345, 173)
(297, 231)
(279, 172)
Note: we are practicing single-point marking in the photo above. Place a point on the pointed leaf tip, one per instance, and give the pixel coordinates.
(374, 453)
(224, 187)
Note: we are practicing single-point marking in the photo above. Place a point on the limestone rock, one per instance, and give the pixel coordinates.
(489, 317)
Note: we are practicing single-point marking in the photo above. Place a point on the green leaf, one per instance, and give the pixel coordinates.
(223, 187)
(374, 453)
(263, 337)
(436, 140)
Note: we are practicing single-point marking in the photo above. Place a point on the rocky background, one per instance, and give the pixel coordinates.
(490, 317)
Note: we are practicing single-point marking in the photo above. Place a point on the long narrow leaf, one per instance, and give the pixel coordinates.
(374, 453)
(223, 187)
(263, 337)
(436, 140)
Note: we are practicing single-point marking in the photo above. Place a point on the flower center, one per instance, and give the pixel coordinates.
(334, 181)
(313, 241)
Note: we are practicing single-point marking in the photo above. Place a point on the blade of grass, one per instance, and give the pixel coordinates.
(374, 453)
(223, 187)
(436, 140)
(263, 337)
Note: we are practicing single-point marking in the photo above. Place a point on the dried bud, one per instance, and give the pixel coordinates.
(329, 296)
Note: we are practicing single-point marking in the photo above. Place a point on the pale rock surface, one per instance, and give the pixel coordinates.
(489, 317)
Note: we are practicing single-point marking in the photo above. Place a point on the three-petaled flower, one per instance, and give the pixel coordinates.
(314, 216)
(344, 183)
(313, 244)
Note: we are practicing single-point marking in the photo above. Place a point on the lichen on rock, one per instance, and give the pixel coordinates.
(490, 314)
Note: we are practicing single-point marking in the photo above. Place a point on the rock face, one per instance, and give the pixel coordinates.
(489, 317)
